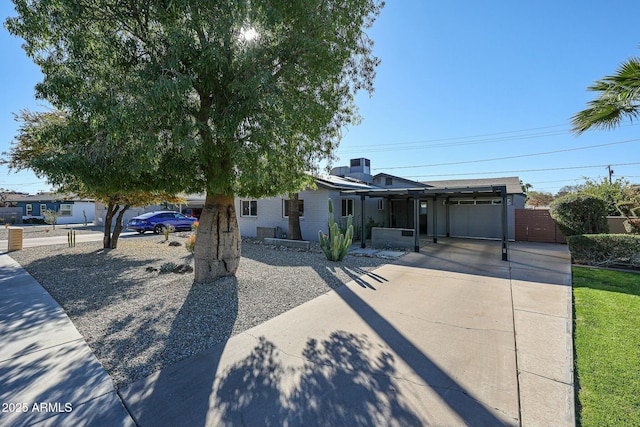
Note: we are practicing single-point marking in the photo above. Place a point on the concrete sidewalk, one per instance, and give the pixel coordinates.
(451, 336)
(62, 240)
(48, 374)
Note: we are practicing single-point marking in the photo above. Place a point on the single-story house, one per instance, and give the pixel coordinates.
(73, 209)
(457, 208)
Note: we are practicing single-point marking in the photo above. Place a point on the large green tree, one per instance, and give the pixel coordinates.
(76, 159)
(619, 98)
(256, 92)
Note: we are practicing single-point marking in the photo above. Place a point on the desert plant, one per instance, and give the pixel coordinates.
(579, 214)
(167, 267)
(85, 218)
(336, 244)
(194, 226)
(190, 244)
(168, 229)
(71, 238)
(51, 217)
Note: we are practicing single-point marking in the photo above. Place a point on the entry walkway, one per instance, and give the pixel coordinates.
(449, 336)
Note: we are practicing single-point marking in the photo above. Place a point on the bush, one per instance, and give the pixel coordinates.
(580, 214)
(604, 250)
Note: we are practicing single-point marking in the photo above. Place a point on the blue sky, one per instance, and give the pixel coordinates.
(460, 82)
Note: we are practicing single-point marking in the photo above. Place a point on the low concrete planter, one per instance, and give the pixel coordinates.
(300, 244)
(394, 237)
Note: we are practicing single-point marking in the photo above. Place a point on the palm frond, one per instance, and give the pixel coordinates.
(619, 99)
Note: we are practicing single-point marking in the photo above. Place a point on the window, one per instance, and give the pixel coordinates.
(388, 181)
(43, 207)
(381, 204)
(65, 209)
(347, 207)
(249, 208)
(285, 208)
(29, 209)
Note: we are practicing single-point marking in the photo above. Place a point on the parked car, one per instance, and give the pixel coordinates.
(157, 221)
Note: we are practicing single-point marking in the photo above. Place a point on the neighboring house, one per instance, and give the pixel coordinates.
(73, 209)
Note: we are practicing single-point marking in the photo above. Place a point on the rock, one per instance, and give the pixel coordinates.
(151, 269)
(174, 243)
(183, 268)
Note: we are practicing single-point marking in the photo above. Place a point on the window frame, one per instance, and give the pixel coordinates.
(380, 205)
(43, 207)
(285, 210)
(350, 208)
(28, 209)
(253, 213)
(62, 209)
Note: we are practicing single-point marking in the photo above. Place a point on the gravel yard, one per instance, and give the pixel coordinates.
(137, 319)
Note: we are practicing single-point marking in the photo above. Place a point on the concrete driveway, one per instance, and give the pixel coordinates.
(451, 336)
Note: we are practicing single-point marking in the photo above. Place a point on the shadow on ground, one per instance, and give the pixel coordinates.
(342, 381)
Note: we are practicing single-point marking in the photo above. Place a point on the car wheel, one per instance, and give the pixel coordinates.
(158, 229)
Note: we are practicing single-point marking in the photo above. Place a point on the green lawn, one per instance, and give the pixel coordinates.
(607, 347)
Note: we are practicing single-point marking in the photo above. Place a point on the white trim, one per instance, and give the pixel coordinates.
(66, 209)
(252, 213)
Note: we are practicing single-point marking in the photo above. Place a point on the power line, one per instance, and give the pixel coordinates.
(445, 142)
(511, 157)
(525, 170)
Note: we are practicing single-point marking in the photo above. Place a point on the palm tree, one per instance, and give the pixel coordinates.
(619, 98)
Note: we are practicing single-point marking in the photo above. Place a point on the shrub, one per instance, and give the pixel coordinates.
(580, 214)
(190, 244)
(51, 217)
(605, 250)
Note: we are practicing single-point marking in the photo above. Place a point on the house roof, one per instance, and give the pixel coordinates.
(333, 182)
(512, 183)
(48, 197)
(409, 182)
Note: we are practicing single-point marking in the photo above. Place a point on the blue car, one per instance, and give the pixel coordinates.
(157, 221)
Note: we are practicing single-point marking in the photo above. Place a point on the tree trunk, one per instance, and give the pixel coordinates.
(295, 233)
(118, 227)
(111, 210)
(217, 249)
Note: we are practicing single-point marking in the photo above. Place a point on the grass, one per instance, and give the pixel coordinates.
(607, 347)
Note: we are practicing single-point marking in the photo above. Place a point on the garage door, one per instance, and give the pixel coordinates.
(476, 220)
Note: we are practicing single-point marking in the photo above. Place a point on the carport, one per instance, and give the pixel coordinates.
(446, 194)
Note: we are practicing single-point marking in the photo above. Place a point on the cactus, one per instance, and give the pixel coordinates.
(71, 238)
(335, 245)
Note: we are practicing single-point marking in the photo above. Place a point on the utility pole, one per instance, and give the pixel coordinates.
(610, 172)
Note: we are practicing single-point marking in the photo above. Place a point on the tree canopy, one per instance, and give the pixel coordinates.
(248, 95)
(75, 159)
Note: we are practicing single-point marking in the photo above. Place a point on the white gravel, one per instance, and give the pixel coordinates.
(137, 321)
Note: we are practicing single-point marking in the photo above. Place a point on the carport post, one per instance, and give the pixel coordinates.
(447, 214)
(505, 228)
(435, 221)
(416, 222)
(362, 232)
